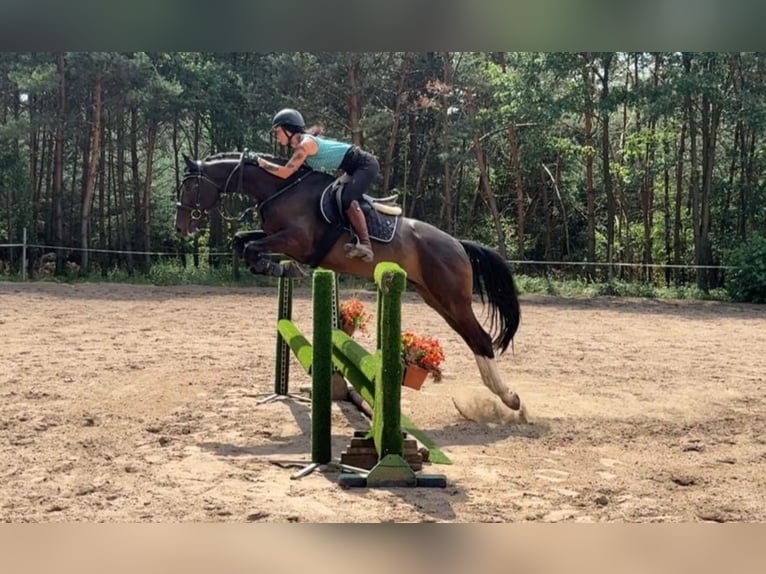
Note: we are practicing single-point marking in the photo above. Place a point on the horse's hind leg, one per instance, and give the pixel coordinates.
(453, 302)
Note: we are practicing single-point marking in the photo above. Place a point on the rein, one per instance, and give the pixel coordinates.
(288, 187)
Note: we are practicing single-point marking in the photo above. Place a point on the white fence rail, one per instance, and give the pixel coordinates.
(26, 246)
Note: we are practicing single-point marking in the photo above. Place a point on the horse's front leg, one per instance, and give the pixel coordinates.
(242, 238)
(254, 254)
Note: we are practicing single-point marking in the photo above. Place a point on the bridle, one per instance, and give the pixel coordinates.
(195, 209)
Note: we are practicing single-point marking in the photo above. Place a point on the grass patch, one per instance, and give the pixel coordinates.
(582, 288)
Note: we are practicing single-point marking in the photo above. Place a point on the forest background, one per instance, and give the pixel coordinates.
(607, 167)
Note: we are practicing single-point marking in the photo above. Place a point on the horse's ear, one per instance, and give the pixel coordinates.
(190, 164)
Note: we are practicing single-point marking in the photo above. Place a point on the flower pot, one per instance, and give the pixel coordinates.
(414, 376)
(348, 329)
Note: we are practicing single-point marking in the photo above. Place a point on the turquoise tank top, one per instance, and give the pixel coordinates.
(329, 155)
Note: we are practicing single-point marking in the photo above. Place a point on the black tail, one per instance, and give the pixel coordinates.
(491, 273)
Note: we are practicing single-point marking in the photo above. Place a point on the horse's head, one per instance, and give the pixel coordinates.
(206, 181)
(198, 194)
(200, 191)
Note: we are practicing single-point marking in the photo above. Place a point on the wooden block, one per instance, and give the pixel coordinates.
(362, 450)
(362, 442)
(359, 461)
(368, 460)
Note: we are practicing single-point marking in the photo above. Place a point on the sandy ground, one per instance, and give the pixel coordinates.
(136, 403)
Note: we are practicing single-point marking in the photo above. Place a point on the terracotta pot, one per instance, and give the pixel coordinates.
(348, 329)
(414, 376)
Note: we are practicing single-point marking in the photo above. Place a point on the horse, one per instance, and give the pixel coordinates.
(443, 270)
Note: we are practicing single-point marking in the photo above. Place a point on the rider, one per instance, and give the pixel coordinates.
(327, 154)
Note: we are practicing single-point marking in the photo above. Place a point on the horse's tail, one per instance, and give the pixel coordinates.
(491, 273)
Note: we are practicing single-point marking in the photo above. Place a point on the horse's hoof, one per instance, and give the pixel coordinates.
(511, 400)
(260, 267)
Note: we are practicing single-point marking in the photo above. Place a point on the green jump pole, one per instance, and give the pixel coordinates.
(387, 423)
(321, 368)
(284, 311)
(282, 368)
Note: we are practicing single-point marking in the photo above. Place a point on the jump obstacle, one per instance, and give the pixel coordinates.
(375, 376)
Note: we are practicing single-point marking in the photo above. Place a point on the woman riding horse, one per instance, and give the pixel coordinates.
(326, 154)
(445, 271)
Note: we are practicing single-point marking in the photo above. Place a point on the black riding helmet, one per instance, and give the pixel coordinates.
(289, 119)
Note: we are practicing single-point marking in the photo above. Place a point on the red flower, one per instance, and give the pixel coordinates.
(425, 352)
(354, 314)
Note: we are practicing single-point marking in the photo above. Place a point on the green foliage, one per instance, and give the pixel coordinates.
(201, 102)
(167, 273)
(527, 284)
(172, 272)
(623, 289)
(747, 281)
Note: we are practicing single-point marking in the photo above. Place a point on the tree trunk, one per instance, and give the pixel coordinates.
(412, 163)
(401, 98)
(354, 100)
(146, 202)
(513, 138)
(611, 208)
(694, 187)
(625, 273)
(446, 167)
(545, 204)
(747, 182)
(58, 161)
(590, 149)
(666, 208)
(90, 185)
(647, 184)
(33, 201)
(564, 218)
(711, 115)
(484, 187)
(46, 175)
(647, 204)
(122, 204)
(135, 182)
(102, 209)
(677, 220)
(195, 143)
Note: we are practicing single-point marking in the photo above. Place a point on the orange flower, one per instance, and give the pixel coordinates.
(354, 314)
(425, 352)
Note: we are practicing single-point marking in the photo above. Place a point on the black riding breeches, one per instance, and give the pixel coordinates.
(363, 168)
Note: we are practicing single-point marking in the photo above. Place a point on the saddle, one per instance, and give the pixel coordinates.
(382, 214)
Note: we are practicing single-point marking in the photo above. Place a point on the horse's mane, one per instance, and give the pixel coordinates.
(251, 156)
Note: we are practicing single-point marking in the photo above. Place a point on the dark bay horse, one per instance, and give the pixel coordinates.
(443, 270)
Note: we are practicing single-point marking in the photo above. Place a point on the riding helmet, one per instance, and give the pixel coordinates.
(289, 119)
